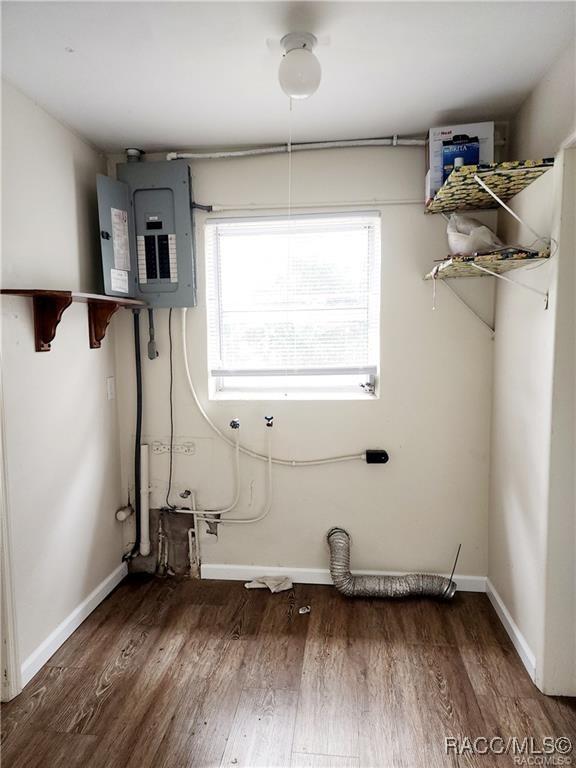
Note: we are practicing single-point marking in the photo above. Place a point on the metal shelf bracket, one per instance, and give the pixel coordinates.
(538, 237)
(544, 294)
(472, 311)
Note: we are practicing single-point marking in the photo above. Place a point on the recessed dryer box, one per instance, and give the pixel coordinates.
(146, 233)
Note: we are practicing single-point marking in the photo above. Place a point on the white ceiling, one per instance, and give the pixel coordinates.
(162, 75)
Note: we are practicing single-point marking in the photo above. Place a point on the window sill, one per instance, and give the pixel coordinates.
(288, 396)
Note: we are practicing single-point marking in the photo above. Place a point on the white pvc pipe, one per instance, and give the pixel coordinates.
(124, 513)
(210, 516)
(144, 501)
(237, 480)
(374, 203)
(282, 148)
(267, 505)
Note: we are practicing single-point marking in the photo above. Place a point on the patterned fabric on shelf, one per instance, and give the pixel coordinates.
(461, 191)
(499, 261)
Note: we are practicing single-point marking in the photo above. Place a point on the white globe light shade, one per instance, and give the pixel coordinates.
(299, 73)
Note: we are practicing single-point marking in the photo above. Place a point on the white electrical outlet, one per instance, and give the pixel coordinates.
(110, 388)
(187, 448)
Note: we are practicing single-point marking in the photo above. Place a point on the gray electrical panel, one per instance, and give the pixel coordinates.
(146, 233)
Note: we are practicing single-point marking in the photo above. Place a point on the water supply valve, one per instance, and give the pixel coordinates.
(235, 424)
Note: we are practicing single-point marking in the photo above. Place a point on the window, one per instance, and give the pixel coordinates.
(293, 306)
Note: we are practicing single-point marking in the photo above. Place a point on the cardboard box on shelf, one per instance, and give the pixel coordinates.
(435, 145)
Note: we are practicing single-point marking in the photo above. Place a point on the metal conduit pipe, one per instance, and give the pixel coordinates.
(410, 585)
(394, 141)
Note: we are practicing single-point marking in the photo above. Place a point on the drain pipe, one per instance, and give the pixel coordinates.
(410, 585)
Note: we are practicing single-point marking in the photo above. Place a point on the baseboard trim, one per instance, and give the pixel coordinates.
(223, 571)
(518, 640)
(55, 639)
(314, 575)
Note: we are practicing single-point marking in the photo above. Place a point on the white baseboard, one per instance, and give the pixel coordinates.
(55, 639)
(518, 640)
(314, 575)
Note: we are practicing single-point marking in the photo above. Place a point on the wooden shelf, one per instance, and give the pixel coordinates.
(49, 306)
(461, 191)
(498, 262)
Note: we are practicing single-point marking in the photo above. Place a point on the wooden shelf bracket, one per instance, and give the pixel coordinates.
(48, 310)
(49, 306)
(99, 315)
(100, 311)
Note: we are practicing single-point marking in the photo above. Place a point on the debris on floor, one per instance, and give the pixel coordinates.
(273, 583)
(304, 609)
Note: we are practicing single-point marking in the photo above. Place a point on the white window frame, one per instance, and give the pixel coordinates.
(353, 383)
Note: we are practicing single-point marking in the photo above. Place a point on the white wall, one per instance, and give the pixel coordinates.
(548, 115)
(520, 455)
(61, 432)
(532, 510)
(558, 665)
(433, 414)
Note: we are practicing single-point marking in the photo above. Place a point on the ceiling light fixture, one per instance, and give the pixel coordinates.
(300, 70)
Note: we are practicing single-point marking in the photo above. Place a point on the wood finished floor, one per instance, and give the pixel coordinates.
(172, 674)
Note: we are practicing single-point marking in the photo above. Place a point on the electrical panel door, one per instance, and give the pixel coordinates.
(160, 232)
(114, 209)
(162, 236)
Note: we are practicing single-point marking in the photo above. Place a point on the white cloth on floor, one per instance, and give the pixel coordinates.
(273, 583)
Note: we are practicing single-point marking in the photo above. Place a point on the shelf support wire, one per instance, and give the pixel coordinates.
(435, 279)
(524, 224)
(507, 208)
(513, 282)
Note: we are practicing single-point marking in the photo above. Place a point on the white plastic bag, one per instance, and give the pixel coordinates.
(467, 236)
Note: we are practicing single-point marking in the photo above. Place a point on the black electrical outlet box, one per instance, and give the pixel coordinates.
(375, 456)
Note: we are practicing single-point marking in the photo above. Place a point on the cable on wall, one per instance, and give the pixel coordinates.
(138, 436)
(243, 449)
(152, 351)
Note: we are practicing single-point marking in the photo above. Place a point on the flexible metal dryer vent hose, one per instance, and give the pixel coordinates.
(410, 585)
